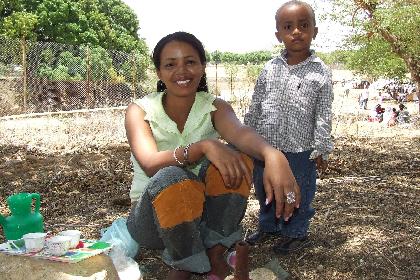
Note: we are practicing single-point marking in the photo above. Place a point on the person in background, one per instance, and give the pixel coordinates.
(364, 97)
(291, 108)
(376, 114)
(380, 97)
(403, 114)
(393, 118)
(189, 191)
(347, 88)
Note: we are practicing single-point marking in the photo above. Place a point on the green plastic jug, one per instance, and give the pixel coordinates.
(22, 220)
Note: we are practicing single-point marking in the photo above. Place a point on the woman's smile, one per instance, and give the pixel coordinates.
(181, 69)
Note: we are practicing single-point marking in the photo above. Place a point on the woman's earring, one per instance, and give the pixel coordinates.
(160, 86)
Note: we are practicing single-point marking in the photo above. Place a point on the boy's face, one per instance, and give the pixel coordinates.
(296, 28)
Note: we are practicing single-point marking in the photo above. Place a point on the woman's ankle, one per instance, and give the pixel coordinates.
(219, 266)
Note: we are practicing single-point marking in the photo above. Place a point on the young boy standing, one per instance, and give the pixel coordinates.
(291, 108)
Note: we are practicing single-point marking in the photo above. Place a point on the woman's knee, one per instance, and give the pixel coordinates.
(177, 196)
(215, 185)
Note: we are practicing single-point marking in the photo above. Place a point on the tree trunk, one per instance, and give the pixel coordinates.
(418, 94)
(412, 62)
(415, 76)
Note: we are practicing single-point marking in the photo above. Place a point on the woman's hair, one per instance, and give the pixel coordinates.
(185, 37)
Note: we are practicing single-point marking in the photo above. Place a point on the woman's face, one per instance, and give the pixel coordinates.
(180, 68)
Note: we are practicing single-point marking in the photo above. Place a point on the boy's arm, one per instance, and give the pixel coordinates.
(254, 111)
(323, 122)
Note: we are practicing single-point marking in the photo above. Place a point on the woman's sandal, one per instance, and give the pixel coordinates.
(213, 277)
(231, 259)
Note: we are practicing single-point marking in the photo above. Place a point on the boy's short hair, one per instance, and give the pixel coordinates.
(295, 3)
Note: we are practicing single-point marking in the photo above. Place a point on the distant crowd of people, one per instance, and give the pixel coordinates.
(386, 90)
(399, 91)
(391, 116)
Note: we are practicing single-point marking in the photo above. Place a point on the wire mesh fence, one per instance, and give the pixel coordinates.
(37, 77)
(46, 76)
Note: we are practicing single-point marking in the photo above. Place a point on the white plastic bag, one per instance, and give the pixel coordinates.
(117, 234)
(127, 268)
(124, 248)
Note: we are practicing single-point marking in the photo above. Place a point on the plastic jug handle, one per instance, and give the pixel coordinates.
(37, 201)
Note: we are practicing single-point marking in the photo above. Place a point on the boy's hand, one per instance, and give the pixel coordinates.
(321, 164)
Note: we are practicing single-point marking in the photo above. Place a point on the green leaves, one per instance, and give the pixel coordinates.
(110, 24)
(20, 25)
(375, 59)
(386, 36)
(256, 57)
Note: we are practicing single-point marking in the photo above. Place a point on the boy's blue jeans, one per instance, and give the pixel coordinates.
(304, 171)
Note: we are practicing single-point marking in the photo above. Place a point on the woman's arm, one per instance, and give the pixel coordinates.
(144, 148)
(143, 144)
(278, 177)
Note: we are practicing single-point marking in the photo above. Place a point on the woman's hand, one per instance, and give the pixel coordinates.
(278, 178)
(280, 184)
(229, 162)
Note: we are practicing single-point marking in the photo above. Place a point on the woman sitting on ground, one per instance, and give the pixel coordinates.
(189, 191)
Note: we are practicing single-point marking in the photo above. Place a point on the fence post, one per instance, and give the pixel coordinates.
(134, 74)
(89, 98)
(216, 78)
(25, 78)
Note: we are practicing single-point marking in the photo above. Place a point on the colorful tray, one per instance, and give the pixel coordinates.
(91, 248)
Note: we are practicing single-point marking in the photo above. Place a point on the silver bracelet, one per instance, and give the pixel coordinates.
(176, 159)
(186, 153)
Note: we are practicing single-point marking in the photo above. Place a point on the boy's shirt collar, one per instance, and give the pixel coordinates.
(311, 58)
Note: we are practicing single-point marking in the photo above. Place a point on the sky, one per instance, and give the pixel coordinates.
(225, 25)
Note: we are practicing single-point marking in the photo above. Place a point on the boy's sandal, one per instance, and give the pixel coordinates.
(291, 245)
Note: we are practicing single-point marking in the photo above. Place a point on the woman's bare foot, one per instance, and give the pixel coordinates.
(178, 275)
(219, 267)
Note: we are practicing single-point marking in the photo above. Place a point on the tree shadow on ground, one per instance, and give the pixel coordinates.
(366, 225)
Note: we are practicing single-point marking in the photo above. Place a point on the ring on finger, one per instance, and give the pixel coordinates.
(290, 197)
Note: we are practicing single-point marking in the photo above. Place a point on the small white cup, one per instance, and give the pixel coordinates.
(58, 245)
(74, 234)
(34, 241)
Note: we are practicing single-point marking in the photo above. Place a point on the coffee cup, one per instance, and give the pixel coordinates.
(58, 245)
(74, 234)
(34, 241)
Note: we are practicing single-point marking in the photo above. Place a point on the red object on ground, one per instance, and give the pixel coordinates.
(80, 245)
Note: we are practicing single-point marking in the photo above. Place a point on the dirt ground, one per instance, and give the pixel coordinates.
(367, 224)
